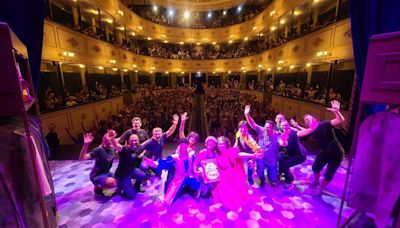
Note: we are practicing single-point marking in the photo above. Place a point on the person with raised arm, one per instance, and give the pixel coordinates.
(245, 142)
(104, 154)
(293, 152)
(154, 145)
(192, 137)
(268, 141)
(128, 166)
(332, 151)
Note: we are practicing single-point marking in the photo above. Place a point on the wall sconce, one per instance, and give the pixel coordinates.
(112, 61)
(66, 56)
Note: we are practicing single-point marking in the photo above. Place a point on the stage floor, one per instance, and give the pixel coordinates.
(272, 207)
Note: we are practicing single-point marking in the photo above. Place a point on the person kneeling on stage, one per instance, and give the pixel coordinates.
(128, 166)
(104, 154)
(183, 176)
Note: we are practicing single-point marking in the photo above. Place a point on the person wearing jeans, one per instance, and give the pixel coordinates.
(268, 141)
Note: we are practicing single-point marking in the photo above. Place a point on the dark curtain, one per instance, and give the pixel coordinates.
(214, 80)
(127, 82)
(250, 78)
(369, 17)
(73, 83)
(26, 18)
(291, 78)
(342, 82)
(145, 79)
(48, 80)
(320, 78)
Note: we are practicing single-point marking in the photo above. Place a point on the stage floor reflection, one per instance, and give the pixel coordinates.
(270, 206)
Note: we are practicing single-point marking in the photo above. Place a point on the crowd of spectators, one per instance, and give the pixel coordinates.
(313, 93)
(155, 108)
(85, 95)
(224, 110)
(200, 19)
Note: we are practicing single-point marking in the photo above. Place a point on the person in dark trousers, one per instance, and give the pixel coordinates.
(332, 151)
(292, 153)
(104, 154)
(128, 166)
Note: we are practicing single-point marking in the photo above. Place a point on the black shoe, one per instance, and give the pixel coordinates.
(98, 191)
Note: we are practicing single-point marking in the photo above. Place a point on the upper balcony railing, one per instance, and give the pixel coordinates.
(298, 22)
(198, 19)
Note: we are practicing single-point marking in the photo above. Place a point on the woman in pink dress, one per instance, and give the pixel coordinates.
(232, 189)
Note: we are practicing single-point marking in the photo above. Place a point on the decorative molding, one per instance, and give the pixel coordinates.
(317, 42)
(96, 48)
(348, 33)
(73, 42)
(296, 48)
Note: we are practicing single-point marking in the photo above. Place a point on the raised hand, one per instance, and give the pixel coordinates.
(111, 133)
(87, 138)
(175, 119)
(184, 116)
(247, 109)
(335, 106)
(293, 123)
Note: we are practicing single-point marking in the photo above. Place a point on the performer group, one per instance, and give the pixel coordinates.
(217, 171)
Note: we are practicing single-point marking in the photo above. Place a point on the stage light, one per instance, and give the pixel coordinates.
(186, 14)
(239, 8)
(155, 8)
(224, 12)
(171, 12)
(209, 15)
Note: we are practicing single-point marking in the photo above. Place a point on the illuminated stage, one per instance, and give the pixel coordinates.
(272, 207)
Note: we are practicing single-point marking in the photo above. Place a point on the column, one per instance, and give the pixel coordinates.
(309, 74)
(82, 72)
(75, 16)
(93, 24)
